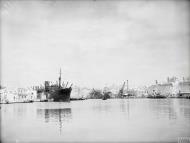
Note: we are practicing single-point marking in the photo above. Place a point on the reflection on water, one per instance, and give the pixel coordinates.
(163, 108)
(185, 112)
(101, 107)
(17, 110)
(125, 107)
(183, 102)
(55, 115)
(117, 120)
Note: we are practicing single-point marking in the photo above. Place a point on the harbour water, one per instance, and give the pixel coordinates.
(112, 120)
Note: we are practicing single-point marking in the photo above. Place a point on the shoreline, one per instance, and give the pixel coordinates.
(75, 99)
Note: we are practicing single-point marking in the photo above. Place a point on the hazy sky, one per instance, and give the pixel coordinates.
(96, 43)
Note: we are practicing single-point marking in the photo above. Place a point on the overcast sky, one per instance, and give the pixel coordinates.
(96, 43)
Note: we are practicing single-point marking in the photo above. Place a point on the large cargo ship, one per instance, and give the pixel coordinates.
(58, 92)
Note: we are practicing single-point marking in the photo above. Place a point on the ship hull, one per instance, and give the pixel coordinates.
(61, 95)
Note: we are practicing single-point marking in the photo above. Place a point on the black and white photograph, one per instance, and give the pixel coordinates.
(94, 71)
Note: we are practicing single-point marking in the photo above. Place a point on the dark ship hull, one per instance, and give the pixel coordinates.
(60, 95)
(58, 92)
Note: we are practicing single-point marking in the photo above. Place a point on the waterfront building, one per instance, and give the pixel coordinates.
(12, 96)
(40, 94)
(84, 92)
(172, 88)
(3, 95)
(141, 92)
(17, 95)
(184, 88)
(31, 94)
(80, 92)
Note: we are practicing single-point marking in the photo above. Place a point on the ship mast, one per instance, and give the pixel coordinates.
(60, 78)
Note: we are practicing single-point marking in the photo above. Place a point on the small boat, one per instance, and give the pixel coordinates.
(74, 99)
(45, 100)
(106, 95)
(7, 102)
(104, 98)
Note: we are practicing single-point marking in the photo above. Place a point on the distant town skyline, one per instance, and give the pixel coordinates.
(95, 43)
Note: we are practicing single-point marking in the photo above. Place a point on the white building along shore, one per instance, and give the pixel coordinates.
(17, 95)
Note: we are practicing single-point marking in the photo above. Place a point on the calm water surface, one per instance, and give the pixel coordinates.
(97, 120)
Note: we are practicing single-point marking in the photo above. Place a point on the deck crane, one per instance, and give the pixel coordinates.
(121, 91)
